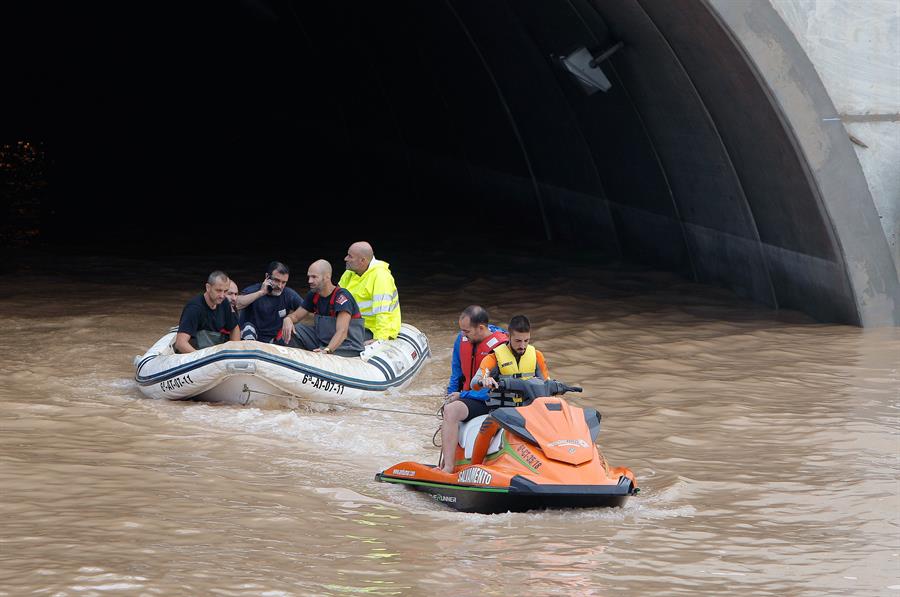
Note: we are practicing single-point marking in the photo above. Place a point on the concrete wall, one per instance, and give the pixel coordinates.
(718, 152)
(855, 48)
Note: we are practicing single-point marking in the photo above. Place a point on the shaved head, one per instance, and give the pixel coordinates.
(321, 267)
(364, 249)
(319, 277)
(359, 256)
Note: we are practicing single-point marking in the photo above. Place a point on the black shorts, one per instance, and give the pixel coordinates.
(476, 408)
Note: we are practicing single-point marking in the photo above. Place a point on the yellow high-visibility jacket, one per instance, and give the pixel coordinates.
(377, 297)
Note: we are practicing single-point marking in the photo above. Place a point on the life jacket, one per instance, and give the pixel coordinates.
(506, 362)
(351, 335)
(470, 356)
(331, 304)
(326, 326)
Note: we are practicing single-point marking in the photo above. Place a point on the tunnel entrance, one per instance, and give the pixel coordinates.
(708, 155)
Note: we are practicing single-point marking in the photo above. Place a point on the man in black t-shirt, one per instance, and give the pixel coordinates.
(264, 306)
(207, 319)
(338, 326)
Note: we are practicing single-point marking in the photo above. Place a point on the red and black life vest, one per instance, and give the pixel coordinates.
(470, 356)
(331, 313)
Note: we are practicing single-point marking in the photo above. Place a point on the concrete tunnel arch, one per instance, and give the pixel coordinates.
(717, 152)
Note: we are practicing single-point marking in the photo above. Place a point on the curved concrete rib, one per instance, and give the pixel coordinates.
(768, 188)
(833, 174)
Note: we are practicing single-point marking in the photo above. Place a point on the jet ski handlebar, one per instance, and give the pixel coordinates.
(532, 388)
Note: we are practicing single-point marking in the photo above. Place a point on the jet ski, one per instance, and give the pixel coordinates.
(534, 451)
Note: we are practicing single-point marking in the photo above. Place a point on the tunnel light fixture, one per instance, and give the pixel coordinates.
(585, 68)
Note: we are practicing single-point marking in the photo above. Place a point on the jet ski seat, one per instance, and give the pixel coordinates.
(468, 431)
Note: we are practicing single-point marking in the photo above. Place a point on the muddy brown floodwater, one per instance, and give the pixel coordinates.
(767, 446)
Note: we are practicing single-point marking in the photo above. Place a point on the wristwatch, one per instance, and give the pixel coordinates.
(326, 350)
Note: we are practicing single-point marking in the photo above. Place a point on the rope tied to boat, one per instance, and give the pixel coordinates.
(437, 433)
(249, 392)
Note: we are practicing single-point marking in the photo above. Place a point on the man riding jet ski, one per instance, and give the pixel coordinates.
(541, 454)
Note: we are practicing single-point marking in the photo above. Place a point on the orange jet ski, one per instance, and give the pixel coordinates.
(539, 452)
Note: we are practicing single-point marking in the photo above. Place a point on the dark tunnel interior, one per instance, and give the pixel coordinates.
(375, 119)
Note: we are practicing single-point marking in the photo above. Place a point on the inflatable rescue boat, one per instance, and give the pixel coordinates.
(249, 372)
(539, 455)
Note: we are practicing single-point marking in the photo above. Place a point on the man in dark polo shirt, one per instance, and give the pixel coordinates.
(264, 306)
(338, 326)
(207, 319)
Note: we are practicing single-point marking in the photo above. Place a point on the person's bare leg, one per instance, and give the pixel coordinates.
(454, 412)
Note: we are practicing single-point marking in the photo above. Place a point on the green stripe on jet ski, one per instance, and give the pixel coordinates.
(506, 449)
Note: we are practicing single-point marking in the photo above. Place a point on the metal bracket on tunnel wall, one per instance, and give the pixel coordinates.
(585, 68)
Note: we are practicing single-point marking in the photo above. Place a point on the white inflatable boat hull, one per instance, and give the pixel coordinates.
(249, 372)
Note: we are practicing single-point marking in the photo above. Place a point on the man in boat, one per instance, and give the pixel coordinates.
(207, 319)
(372, 285)
(231, 295)
(477, 338)
(264, 306)
(338, 326)
(517, 358)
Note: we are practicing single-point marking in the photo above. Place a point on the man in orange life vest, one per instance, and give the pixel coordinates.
(338, 326)
(476, 339)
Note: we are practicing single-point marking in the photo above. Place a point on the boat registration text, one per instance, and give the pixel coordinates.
(176, 383)
(323, 384)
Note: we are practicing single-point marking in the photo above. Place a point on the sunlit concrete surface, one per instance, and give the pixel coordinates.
(855, 49)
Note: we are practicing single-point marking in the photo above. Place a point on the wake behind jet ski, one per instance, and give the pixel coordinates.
(541, 454)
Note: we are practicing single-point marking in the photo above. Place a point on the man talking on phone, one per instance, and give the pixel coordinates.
(264, 306)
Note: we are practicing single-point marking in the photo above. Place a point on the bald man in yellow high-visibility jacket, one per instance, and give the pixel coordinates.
(372, 285)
